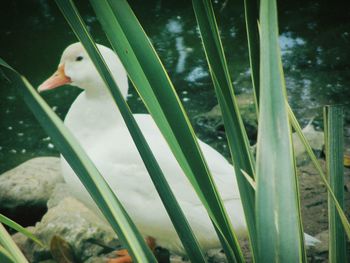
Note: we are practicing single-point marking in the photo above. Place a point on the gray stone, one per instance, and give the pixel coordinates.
(97, 259)
(322, 246)
(314, 137)
(76, 224)
(29, 184)
(212, 120)
(22, 242)
(216, 256)
(178, 259)
(60, 192)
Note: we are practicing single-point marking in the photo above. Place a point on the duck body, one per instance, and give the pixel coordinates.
(97, 124)
(107, 141)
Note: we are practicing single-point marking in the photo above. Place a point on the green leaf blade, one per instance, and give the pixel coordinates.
(5, 256)
(318, 167)
(168, 113)
(235, 131)
(9, 251)
(333, 118)
(251, 11)
(277, 204)
(175, 212)
(7, 221)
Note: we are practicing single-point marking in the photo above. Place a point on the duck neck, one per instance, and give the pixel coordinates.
(92, 114)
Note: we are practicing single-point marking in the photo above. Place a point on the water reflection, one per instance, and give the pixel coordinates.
(315, 53)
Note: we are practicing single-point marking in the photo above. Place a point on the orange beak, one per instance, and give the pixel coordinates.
(58, 79)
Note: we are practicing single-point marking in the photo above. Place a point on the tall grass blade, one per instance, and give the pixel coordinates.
(153, 84)
(334, 142)
(251, 11)
(10, 250)
(85, 170)
(180, 223)
(235, 131)
(7, 221)
(277, 205)
(5, 256)
(318, 167)
(252, 25)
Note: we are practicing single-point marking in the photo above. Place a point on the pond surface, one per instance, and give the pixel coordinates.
(315, 41)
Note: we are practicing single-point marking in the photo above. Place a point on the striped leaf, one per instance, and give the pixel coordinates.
(5, 256)
(334, 142)
(277, 205)
(251, 11)
(319, 169)
(235, 131)
(7, 221)
(9, 252)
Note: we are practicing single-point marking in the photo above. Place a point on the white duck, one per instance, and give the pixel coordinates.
(97, 123)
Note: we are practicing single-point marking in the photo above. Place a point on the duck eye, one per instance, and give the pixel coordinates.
(79, 58)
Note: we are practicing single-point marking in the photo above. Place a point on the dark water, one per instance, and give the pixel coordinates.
(315, 41)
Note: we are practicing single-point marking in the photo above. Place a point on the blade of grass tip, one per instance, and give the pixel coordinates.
(5, 256)
(236, 134)
(278, 217)
(10, 247)
(139, 58)
(333, 126)
(84, 169)
(251, 10)
(318, 167)
(7, 221)
(181, 225)
(249, 179)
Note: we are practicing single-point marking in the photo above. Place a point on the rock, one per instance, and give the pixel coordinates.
(249, 115)
(61, 250)
(213, 122)
(178, 259)
(25, 189)
(21, 241)
(322, 246)
(74, 223)
(59, 193)
(316, 140)
(29, 184)
(216, 256)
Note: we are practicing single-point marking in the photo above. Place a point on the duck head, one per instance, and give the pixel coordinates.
(77, 69)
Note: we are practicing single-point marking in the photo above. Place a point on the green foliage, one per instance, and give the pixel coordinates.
(251, 10)
(9, 252)
(5, 256)
(334, 142)
(319, 169)
(7, 221)
(271, 206)
(236, 135)
(277, 204)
